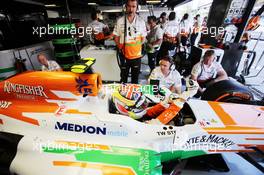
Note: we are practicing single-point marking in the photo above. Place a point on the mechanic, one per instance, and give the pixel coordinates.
(48, 65)
(167, 75)
(184, 29)
(154, 40)
(208, 71)
(169, 37)
(98, 29)
(130, 32)
(196, 30)
(163, 20)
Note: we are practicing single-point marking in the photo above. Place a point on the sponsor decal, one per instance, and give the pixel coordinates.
(83, 86)
(166, 131)
(25, 97)
(207, 122)
(24, 89)
(5, 104)
(80, 128)
(90, 129)
(117, 133)
(61, 110)
(210, 139)
(144, 163)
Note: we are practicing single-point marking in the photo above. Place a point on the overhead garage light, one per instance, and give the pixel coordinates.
(153, 2)
(2, 15)
(120, 10)
(50, 5)
(112, 10)
(30, 2)
(92, 3)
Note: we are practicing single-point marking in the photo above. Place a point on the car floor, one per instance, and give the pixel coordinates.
(236, 164)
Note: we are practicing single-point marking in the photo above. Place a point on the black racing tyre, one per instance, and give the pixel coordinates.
(8, 150)
(228, 91)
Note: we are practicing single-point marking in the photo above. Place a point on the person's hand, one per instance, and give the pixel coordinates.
(150, 45)
(120, 46)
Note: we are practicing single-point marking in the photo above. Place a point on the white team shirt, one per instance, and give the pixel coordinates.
(184, 27)
(97, 26)
(154, 35)
(135, 29)
(173, 79)
(52, 66)
(172, 28)
(163, 25)
(205, 73)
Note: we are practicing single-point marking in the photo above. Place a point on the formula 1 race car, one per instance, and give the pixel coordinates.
(68, 123)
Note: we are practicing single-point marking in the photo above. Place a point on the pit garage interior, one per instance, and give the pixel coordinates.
(25, 32)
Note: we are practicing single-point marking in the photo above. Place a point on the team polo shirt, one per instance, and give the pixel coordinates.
(172, 28)
(154, 35)
(173, 79)
(98, 28)
(52, 66)
(184, 27)
(196, 26)
(135, 32)
(205, 73)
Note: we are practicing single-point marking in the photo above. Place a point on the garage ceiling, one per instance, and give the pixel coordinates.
(81, 3)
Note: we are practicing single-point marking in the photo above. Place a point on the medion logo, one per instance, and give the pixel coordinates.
(80, 128)
(24, 89)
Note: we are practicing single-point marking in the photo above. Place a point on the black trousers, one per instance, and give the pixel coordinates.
(184, 40)
(164, 50)
(193, 38)
(152, 60)
(126, 65)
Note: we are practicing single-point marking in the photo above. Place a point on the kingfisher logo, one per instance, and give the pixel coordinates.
(80, 128)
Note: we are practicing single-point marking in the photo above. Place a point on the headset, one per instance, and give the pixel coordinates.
(172, 65)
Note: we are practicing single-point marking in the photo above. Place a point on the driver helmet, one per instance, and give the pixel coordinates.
(129, 101)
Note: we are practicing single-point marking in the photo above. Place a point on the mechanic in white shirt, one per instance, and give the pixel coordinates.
(168, 76)
(98, 29)
(154, 40)
(171, 28)
(184, 29)
(48, 65)
(196, 30)
(208, 71)
(163, 20)
(130, 32)
(170, 36)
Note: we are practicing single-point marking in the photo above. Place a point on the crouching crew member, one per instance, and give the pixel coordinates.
(167, 75)
(208, 71)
